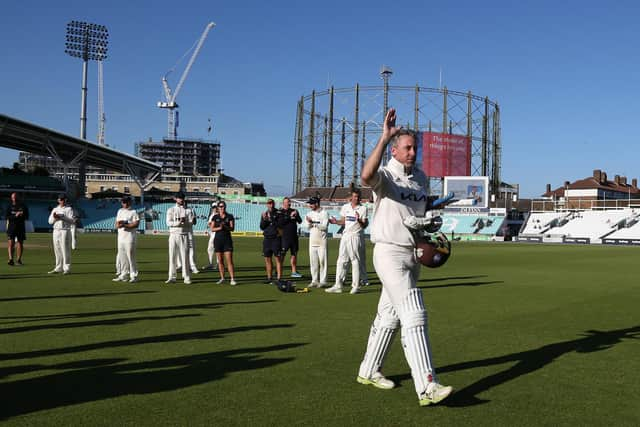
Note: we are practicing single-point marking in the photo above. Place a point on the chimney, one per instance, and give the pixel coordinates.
(617, 179)
(597, 175)
(548, 188)
(604, 178)
(566, 184)
(634, 182)
(623, 180)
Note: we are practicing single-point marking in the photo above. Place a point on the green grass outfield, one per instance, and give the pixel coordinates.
(534, 335)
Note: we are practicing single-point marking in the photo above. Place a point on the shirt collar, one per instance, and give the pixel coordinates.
(399, 169)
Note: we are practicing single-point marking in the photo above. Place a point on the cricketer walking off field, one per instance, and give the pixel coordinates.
(399, 191)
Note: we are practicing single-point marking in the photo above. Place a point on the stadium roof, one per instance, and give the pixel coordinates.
(24, 136)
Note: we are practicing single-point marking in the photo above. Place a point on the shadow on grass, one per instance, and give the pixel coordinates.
(187, 336)
(100, 382)
(48, 297)
(47, 317)
(105, 322)
(440, 279)
(529, 361)
(453, 285)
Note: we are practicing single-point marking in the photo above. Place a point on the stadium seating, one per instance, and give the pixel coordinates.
(588, 226)
(471, 226)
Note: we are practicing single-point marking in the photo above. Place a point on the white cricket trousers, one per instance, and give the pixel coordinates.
(349, 252)
(400, 302)
(211, 249)
(318, 263)
(127, 255)
(62, 249)
(179, 255)
(191, 244)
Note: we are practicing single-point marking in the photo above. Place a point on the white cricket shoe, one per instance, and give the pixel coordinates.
(66, 272)
(354, 290)
(53, 272)
(170, 281)
(119, 279)
(335, 289)
(377, 380)
(133, 280)
(220, 282)
(313, 285)
(195, 271)
(233, 282)
(187, 281)
(435, 393)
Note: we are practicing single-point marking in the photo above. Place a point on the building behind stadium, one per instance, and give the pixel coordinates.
(189, 165)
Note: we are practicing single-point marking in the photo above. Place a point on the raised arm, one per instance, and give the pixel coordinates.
(370, 168)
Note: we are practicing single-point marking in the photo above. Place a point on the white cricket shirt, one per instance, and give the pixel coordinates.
(397, 194)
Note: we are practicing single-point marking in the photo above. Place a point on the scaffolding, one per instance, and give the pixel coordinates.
(337, 128)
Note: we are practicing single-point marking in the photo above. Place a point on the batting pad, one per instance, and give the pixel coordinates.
(415, 340)
(380, 339)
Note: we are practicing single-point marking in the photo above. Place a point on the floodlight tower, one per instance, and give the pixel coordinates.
(102, 119)
(87, 42)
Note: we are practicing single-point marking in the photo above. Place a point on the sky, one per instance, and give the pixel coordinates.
(566, 75)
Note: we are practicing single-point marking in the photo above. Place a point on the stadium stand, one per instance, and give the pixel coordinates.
(472, 227)
(616, 226)
(588, 226)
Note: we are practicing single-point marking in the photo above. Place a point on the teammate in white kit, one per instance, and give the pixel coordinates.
(61, 218)
(211, 252)
(353, 216)
(317, 220)
(399, 190)
(177, 220)
(127, 222)
(191, 243)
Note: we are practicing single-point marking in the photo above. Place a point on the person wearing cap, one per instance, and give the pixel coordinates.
(353, 216)
(191, 243)
(126, 224)
(223, 224)
(270, 224)
(317, 221)
(290, 218)
(17, 214)
(177, 220)
(211, 252)
(61, 217)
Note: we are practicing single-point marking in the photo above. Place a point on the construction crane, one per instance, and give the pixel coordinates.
(170, 96)
(102, 119)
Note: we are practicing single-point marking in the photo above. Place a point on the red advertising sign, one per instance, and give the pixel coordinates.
(446, 155)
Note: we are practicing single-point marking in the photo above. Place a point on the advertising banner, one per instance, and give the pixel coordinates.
(445, 155)
(471, 193)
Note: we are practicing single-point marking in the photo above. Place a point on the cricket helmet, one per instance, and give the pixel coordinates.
(433, 251)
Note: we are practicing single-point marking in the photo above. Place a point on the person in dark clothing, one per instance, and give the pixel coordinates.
(223, 224)
(290, 220)
(17, 215)
(270, 223)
